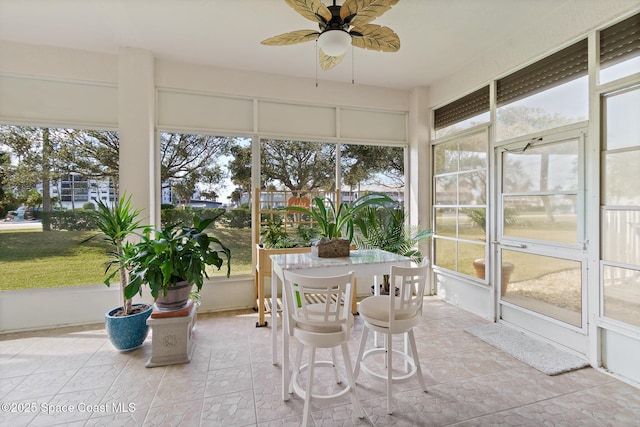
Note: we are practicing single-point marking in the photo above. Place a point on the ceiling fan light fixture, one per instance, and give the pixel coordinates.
(334, 42)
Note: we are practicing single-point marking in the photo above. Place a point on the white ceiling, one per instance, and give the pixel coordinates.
(438, 37)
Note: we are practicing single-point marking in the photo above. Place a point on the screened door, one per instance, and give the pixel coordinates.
(541, 249)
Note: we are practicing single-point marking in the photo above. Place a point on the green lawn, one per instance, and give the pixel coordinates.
(37, 259)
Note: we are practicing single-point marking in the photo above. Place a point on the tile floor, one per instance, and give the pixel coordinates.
(74, 377)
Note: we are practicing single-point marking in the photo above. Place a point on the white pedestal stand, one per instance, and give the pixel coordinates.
(171, 341)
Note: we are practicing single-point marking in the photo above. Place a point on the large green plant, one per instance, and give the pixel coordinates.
(386, 228)
(116, 223)
(336, 221)
(165, 257)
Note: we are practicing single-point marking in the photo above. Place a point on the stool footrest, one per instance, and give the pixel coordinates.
(323, 397)
(383, 376)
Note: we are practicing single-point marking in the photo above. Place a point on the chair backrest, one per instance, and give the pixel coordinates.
(411, 282)
(322, 304)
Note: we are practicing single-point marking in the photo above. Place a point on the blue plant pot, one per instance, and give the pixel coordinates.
(128, 332)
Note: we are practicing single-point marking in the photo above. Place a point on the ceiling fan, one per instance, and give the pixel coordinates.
(341, 26)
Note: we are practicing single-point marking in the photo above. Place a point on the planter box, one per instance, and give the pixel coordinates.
(263, 269)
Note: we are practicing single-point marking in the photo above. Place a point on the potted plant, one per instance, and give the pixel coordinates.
(478, 217)
(171, 261)
(385, 228)
(335, 222)
(126, 325)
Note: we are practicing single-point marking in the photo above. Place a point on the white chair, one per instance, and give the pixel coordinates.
(319, 316)
(394, 315)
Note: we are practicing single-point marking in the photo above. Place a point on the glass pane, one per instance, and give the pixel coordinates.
(472, 224)
(44, 211)
(467, 254)
(372, 168)
(473, 186)
(546, 285)
(621, 237)
(445, 157)
(546, 218)
(297, 165)
(473, 151)
(465, 124)
(621, 120)
(551, 167)
(206, 175)
(620, 178)
(620, 70)
(445, 253)
(446, 192)
(555, 107)
(622, 294)
(445, 220)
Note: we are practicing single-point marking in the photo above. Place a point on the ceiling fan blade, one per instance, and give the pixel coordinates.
(375, 37)
(314, 10)
(294, 37)
(328, 62)
(365, 11)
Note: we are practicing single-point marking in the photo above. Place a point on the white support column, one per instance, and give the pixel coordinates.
(139, 159)
(419, 162)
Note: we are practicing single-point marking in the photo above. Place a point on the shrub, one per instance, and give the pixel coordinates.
(238, 218)
(78, 220)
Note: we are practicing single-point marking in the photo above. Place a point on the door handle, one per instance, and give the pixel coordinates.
(510, 245)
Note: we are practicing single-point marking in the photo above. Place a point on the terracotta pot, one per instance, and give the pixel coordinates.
(507, 269)
(177, 297)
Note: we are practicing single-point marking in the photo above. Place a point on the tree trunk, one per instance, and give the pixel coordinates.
(47, 150)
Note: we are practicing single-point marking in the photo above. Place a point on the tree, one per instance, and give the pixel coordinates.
(188, 160)
(298, 165)
(37, 159)
(240, 169)
(4, 169)
(361, 163)
(94, 154)
(236, 196)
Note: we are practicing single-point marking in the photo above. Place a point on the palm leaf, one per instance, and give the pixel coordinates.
(327, 62)
(313, 10)
(293, 37)
(365, 10)
(375, 37)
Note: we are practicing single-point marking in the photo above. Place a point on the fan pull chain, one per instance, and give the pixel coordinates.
(317, 53)
(353, 66)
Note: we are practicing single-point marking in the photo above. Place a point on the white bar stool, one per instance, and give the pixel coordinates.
(323, 324)
(390, 315)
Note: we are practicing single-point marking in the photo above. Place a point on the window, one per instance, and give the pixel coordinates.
(208, 175)
(540, 192)
(372, 168)
(292, 171)
(468, 111)
(459, 205)
(621, 206)
(550, 93)
(620, 50)
(49, 178)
